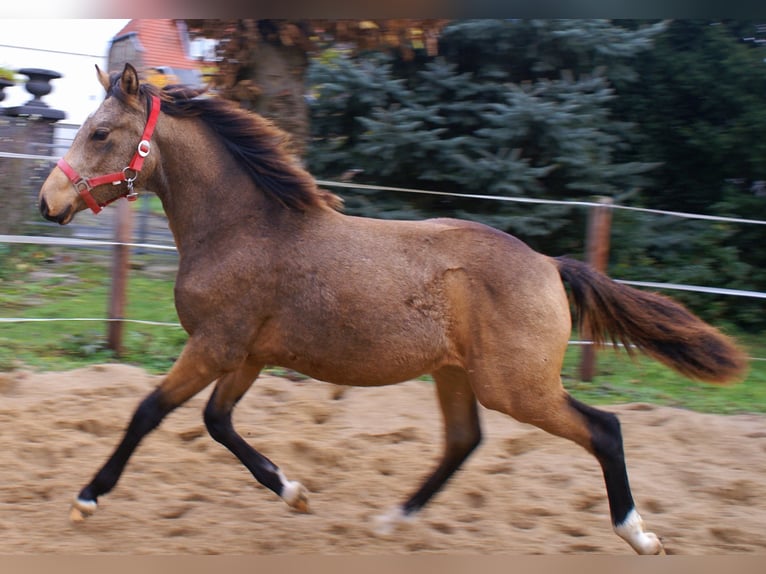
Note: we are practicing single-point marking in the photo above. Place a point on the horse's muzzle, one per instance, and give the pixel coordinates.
(61, 218)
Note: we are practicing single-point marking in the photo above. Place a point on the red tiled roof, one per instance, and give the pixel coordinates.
(162, 42)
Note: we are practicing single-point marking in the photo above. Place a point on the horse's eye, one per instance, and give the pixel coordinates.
(100, 134)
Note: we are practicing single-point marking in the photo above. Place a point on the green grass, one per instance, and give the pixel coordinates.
(43, 283)
(622, 379)
(37, 283)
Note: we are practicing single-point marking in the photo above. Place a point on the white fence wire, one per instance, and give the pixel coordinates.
(543, 201)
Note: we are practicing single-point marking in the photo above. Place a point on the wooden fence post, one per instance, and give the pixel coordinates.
(597, 255)
(120, 267)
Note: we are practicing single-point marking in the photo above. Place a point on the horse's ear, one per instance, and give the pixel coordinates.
(103, 78)
(129, 81)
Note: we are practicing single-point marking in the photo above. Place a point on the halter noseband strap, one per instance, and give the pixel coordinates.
(128, 174)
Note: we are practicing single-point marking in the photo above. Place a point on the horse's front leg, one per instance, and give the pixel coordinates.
(228, 391)
(191, 373)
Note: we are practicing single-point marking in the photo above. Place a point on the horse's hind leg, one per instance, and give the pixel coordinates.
(606, 445)
(191, 373)
(462, 434)
(599, 433)
(228, 391)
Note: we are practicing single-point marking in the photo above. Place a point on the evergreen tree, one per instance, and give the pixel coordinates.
(701, 108)
(508, 108)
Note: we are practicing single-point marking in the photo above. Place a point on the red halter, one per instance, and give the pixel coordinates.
(84, 186)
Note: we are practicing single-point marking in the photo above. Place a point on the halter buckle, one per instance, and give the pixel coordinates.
(82, 186)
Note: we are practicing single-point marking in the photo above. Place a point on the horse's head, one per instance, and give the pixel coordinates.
(109, 154)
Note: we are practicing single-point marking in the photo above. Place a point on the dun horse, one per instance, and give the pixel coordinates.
(270, 272)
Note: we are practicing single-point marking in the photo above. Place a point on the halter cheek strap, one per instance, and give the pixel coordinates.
(128, 173)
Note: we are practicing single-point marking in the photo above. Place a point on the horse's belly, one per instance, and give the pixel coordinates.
(358, 375)
(358, 356)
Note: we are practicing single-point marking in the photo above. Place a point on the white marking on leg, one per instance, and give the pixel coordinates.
(385, 524)
(632, 531)
(294, 493)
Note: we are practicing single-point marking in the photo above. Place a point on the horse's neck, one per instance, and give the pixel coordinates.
(202, 189)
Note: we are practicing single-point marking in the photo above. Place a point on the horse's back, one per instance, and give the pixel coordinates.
(495, 276)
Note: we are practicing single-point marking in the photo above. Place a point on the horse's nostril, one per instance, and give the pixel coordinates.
(60, 218)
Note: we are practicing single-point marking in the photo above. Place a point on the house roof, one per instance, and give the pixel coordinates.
(164, 42)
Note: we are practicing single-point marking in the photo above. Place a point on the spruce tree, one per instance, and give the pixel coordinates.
(701, 109)
(507, 108)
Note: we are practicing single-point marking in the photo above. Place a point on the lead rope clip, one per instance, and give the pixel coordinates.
(132, 194)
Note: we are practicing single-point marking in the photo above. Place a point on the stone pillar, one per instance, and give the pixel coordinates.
(4, 83)
(26, 130)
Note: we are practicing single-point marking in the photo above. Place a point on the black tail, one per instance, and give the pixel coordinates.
(656, 325)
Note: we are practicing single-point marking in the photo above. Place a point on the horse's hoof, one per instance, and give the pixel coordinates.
(632, 531)
(81, 509)
(386, 524)
(649, 544)
(296, 496)
(302, 506)
(653, 545)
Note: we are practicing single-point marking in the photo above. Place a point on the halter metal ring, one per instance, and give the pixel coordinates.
(144, 147)
(125, 171)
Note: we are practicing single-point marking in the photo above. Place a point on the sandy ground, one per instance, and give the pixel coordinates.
(698, 479)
